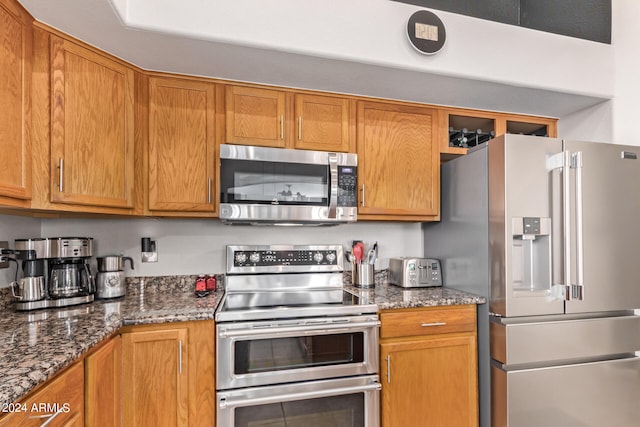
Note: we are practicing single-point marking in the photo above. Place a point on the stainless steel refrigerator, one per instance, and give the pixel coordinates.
(549, 231)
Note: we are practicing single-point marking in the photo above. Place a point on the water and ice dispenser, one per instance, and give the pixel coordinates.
(531, 256)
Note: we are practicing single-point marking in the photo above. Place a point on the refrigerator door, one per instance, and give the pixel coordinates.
(605, 199)
(584, 395)
(523, 225)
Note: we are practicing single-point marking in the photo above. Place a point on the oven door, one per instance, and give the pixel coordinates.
(352, 402)
(273, 352)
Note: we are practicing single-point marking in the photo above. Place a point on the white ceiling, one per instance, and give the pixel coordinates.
(98, 23)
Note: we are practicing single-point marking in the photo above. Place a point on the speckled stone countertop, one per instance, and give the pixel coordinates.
(34, 346)
(388, 296)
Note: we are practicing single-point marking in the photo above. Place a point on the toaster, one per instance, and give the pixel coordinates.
(415, 272)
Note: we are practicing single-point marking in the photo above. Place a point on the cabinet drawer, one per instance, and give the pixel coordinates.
(63, 395)
(428, 321)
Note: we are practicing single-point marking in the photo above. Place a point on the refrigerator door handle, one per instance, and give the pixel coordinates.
(563, 161)
(577, 289)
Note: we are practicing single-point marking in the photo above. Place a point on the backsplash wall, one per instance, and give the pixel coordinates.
(193, 246)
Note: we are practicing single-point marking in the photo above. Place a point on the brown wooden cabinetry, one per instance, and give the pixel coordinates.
(182, 151)
(265, 117)
(16, 44)
(91, 160)
(102, 383)
(428, 367)
(168, 375)
(59, 402)
(398, 162)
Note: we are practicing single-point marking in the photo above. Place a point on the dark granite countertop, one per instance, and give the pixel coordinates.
(34, 346)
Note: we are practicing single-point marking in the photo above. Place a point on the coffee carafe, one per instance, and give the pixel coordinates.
(63, 262)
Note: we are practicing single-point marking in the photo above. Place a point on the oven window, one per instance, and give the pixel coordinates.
(275, 354)
(335, 411)
(251, 182)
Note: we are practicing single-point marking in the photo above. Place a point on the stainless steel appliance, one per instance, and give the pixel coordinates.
(111, 280)
(260, 185)
(547, 230)
(409, 272)
(291, 345)
(63, 263)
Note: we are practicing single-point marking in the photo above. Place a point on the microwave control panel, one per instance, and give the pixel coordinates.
(347, 186)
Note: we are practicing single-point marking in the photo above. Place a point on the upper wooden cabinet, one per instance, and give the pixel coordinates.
(398, 162)
(92, 135)
(266, 117)
(16, 43)
(182, 151)
(323, 123)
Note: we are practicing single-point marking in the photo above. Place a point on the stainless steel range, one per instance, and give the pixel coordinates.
(292, 347)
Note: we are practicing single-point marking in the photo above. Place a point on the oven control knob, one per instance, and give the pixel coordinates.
(317, 257)
(241, 257)
(254, 257)
(331, 257)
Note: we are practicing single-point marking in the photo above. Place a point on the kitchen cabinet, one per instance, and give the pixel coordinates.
(60, 402)
(459, 128)
(92, 135)
(428, 367)
(398, 162)
(181, 150)
(265, 117)
(168, 374)
(102, 382)
(16, 44)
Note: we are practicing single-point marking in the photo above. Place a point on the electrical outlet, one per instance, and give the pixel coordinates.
(4, 245)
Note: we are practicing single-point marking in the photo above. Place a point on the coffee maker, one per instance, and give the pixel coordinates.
(63, 265)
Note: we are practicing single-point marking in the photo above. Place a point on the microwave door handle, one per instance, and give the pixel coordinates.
(333, 182)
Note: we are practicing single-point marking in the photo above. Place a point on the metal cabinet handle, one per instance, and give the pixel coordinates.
(209, 190)
(388, 368)
(60, 174)
(180, 356)
(282, 127)
(300, 128)
(49, 417)
(362, 198)
(427, 325)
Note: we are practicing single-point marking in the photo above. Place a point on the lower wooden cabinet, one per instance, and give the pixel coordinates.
(168, 375)
(428, 367)
(102, 385)
(59, 403)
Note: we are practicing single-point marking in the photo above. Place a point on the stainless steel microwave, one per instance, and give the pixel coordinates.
(261, 185)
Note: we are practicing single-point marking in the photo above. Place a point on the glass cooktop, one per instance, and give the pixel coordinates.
(237, 306)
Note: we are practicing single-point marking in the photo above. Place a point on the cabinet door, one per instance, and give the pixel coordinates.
(16, 44)
(155, 378)
(323, 123)
(429, 382)
(398, 161)
(91, 127)
(181, 145)
(59, 403)
(102, 382)
(256, 117)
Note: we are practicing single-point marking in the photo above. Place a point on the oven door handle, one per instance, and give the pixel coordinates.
(278, 398)
(246, 332)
